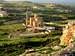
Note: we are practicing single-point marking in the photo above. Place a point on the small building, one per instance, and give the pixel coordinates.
(2, 13)
(35, 7)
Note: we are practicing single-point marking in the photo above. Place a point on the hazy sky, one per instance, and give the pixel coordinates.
(53, 1)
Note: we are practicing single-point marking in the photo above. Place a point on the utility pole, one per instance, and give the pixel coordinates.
(27, 13)
(26, 16)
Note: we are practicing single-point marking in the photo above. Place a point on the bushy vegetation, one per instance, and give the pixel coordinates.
(18, 46)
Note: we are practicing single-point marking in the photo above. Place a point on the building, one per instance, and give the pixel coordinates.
(3, 13)
(34, 22)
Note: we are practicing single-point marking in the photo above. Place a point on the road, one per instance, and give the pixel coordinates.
(35, 34)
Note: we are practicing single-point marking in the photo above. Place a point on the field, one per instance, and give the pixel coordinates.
(56, 16)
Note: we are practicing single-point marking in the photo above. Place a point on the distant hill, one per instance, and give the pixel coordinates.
(30, 3)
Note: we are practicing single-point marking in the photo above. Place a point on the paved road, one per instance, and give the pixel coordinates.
(34, 34)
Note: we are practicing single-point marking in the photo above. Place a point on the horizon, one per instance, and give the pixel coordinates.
(46, 1)
(65, 2)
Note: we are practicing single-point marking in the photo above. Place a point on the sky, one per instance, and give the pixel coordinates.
(49, 1)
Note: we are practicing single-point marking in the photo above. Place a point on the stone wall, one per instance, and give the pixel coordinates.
(68, 33)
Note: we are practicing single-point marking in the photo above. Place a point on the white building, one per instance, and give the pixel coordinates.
(2, 13)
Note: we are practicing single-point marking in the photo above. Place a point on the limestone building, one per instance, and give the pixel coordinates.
(34, 21)
(3, 13)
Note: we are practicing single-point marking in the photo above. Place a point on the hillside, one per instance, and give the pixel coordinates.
(44, 10)
(15, 38)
